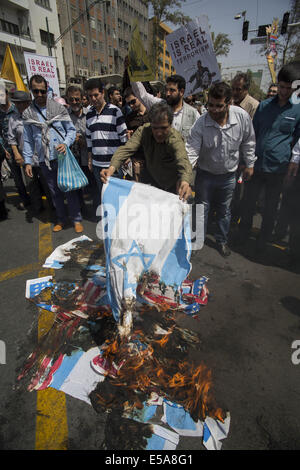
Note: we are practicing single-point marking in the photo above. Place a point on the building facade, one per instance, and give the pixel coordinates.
(31, 26)
(157, 36)
(98, 41)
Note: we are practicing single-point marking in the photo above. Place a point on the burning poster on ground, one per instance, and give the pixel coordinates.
(144, 382)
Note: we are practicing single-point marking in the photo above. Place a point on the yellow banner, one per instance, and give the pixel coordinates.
(271, 65)
(139, 68)
(11, 72)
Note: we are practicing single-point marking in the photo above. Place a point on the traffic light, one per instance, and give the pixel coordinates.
(285, 22)
(262, 30)
(245, 30)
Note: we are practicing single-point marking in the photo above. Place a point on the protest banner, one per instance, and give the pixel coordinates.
(193, 55)
(44, 66)
(139, 68)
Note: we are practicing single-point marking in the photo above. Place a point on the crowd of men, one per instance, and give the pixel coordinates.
(227, 154)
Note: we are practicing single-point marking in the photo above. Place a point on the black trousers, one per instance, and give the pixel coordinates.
(272, 183)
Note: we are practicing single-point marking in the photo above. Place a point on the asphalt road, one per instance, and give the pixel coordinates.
(246, 331)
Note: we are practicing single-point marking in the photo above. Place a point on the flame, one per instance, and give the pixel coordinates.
(181, 382)
(163, 341)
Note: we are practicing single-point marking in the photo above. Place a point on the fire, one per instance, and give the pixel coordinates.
(163, 341)
(145, 369)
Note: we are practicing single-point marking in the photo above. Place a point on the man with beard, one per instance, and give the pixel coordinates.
(184, 114)
(216, 143)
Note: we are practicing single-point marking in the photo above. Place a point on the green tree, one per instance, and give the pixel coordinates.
(221, 44)
(164, 11)
(254, 89)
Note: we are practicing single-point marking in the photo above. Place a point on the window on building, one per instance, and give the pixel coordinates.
(85, 61)
(47, 38)
(43, 3)
(94, 44)
(10, 28)
(83, 41)
(92, 23)
(78, 62)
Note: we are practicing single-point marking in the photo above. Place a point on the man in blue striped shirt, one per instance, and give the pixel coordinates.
(105, 130)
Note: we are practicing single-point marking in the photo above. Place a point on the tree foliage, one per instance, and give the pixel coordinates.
(164, 11)
(221, 43)
(254, 89)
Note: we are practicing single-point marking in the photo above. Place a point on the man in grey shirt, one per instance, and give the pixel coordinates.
(218, 139)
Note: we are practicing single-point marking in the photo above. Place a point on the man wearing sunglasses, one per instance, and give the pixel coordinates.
(216, 143)
(138, 117)
(48, 130)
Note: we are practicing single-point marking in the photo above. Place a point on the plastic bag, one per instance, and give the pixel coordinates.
(69, 174)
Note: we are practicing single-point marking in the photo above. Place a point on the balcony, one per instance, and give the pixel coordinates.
(20, 4)
(10, 33)
(22, 41)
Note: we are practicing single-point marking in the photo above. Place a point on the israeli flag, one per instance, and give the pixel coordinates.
(144, 229)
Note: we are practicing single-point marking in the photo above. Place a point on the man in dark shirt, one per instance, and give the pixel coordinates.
(138, 117)
(277, 128)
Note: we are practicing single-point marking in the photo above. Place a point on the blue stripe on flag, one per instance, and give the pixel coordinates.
(155, 443)
(65, 369)
(177, 265)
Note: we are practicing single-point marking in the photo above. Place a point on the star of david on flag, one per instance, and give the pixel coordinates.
(135, 252)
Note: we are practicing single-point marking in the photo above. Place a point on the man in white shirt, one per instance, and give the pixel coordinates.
(217, 141)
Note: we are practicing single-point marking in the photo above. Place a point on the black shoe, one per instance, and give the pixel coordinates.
(3, 211)
(223, 249)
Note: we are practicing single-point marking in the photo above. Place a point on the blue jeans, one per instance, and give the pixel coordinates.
(58, 196)
(96, 171)
(218, 189)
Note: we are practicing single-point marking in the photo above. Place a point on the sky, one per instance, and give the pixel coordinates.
(221, 14)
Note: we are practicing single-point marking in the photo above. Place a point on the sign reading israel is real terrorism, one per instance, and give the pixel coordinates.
(193, 56)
